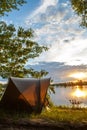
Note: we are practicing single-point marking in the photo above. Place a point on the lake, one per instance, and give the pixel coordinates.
(70, 95)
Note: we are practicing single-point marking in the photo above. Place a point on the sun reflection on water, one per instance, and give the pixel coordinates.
(78, 96)
(79, 93)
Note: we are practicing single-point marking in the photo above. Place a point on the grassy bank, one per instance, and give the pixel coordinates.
(63, 114)
(54, 114)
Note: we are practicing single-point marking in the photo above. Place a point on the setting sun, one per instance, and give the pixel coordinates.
(79, 75)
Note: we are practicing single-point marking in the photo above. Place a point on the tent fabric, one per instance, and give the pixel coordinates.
(25, 93)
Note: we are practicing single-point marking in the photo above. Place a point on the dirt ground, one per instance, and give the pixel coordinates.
(39, 124)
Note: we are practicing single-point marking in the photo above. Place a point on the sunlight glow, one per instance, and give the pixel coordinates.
(79, 93)
(79, 75)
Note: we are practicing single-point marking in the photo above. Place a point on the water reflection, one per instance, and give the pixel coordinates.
(76, 95)
(79, 92)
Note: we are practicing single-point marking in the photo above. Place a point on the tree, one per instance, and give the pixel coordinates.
(16, 48)
(80, 7)
(39, 74)
(9, 5)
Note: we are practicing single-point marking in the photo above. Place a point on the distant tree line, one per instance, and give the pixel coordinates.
(65, 84)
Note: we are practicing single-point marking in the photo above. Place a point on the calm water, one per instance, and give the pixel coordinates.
(63, 95)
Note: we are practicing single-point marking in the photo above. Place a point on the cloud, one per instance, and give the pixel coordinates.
(59, 72)
(44, 5)
(40, 11)
(57, 26)
(71, 53)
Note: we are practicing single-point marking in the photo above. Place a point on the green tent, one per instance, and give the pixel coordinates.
(25, 94)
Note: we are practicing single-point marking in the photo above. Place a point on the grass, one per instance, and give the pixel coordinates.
(55, 114)
(64, 114)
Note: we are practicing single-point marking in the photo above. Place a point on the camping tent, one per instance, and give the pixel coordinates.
(25, 94)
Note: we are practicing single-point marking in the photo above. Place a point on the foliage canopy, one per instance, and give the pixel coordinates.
(16, 48)
(80, 7)
(9, 5)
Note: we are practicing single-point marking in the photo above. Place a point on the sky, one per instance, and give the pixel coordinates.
(57, 26)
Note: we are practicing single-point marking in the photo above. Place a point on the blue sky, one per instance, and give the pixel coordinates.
(57, 26)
